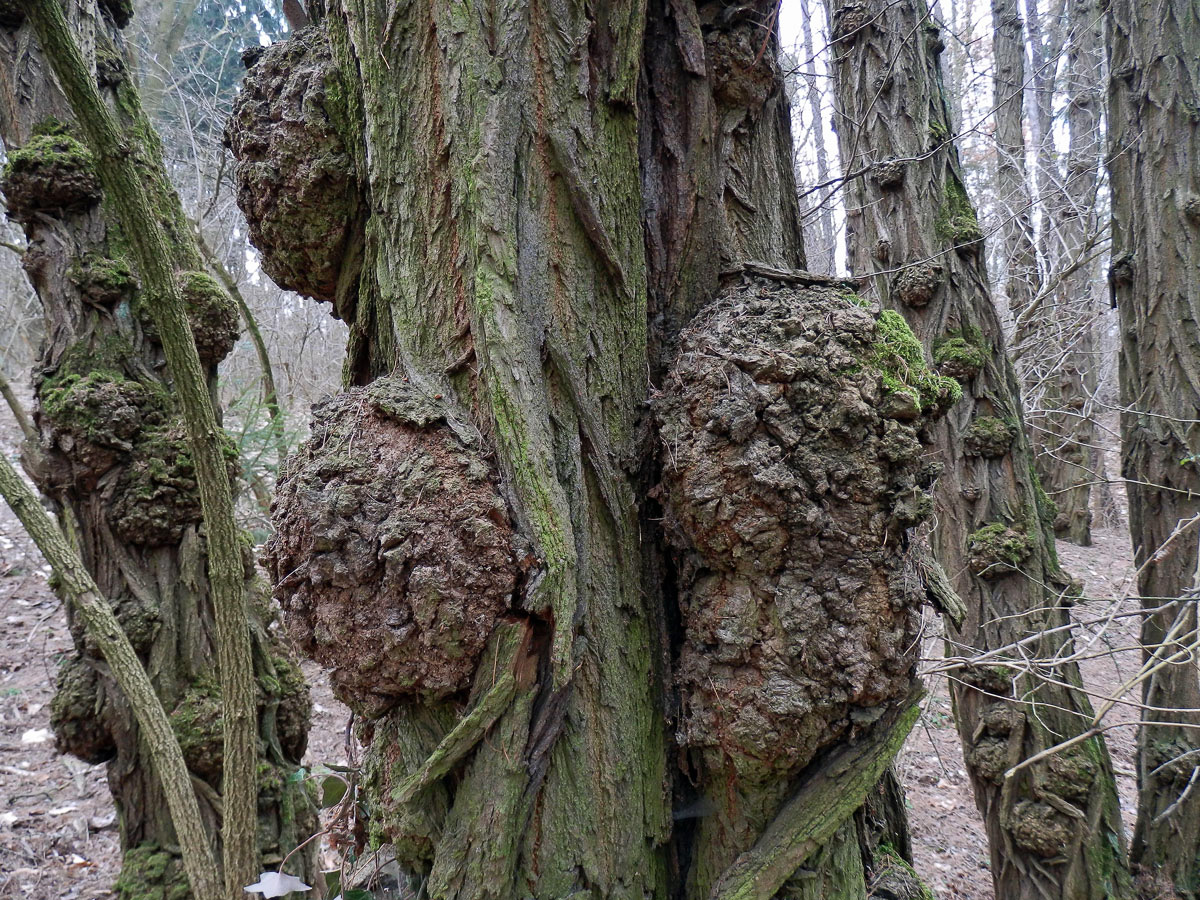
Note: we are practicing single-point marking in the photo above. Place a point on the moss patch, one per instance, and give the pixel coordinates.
(197, 723)
(149, 872)
(51, 173)
(898, 357)
(960, 354)
(996, 549)
(956, 221)
(102, 281)
(989, 437)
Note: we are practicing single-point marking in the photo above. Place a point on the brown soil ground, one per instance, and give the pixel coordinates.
(58, 836)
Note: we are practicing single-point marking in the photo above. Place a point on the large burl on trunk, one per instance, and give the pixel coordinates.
(624, 597)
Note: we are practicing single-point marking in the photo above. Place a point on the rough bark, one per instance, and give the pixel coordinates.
(1053, 827)
(539, 200)
(115, 454)
(1014, 195)
(1154, 88)
(104, 629)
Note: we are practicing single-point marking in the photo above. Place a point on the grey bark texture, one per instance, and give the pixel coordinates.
(1054, 827)
(1154, 166)
(566, 239)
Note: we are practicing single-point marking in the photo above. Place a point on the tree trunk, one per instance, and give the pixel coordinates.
(115, 457)
(821, 237)
(594, 643)
(1154, 65)
(1056, 335)
(1054, 826)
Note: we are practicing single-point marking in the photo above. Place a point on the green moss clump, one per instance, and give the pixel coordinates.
(956, 221)
(51, 173)
(989, 437)
(900, 361)
(197, 723)
(1039, 828)
(211, 312)
(102, 409)
(997, 549)
(149, 872)
(102, 281)
(158, 496)
(960, 354)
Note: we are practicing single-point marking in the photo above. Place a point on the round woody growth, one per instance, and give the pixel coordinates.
(89, 422)
(393, 555)
(75, 713)
(51, 173)
(296, 182)
(789, 488)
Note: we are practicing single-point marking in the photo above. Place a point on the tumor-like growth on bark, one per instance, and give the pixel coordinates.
(393, 554)
(296, 179)
(89, 422)
(789, 489)
(51, 173)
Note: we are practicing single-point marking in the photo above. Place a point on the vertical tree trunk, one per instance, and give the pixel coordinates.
(1154, 65)
(1054, 827)
(114, 456)
(1056, 341)
(821, 253)
(585, 663)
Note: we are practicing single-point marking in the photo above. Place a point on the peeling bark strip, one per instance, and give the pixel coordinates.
(1154, 162)
(1054, 828)
(115, 458)
(554, 191)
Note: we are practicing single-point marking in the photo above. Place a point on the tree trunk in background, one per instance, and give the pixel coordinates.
(1014, 198)
(1154, 165)
(572, 685)
(113, 456)
(820, 237)
(1054, 828)
(1056, 341)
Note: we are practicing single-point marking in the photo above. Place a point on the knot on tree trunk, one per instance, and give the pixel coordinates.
(393, 555)
(790, 487)
(296, 178)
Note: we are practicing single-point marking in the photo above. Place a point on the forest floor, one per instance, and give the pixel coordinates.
(58, 830)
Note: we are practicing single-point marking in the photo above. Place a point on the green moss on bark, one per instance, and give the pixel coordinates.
(997, 549)
(51, 173)
(900, 361)
(956, 221)
(148, 872)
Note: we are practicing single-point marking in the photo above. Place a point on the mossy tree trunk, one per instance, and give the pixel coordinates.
(520, 209)
(1054, 827)
(1154, 163)
(114, 456)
